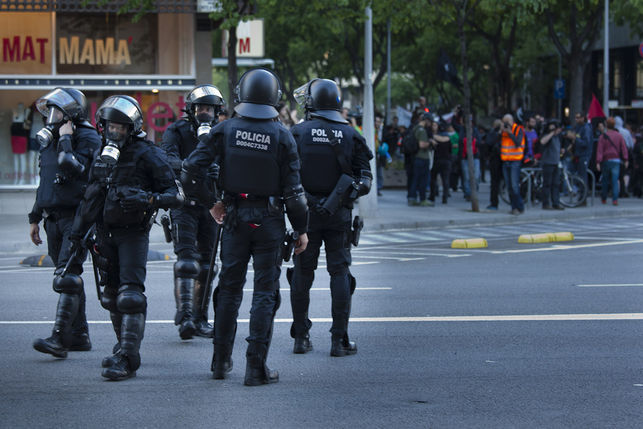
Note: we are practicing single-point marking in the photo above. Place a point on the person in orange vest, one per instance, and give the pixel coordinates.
(512, 150)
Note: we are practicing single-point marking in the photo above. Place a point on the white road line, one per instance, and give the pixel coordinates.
(561, 247)
(402, 319)
(328, 289)
(612, 285)
(386, 257)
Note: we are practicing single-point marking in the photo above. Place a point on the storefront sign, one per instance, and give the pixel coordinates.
(106, 44)
(250, 42)
(25, 42)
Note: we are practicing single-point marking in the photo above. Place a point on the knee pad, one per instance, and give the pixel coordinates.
(186, 269)
(108, 300)
(338, 270)
(131, 299)
(71, 284)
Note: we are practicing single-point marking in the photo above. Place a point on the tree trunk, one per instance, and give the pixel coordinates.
(232, 67)
(467, 107)
(576, 77)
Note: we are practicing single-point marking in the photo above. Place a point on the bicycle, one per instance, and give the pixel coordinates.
(573, 191)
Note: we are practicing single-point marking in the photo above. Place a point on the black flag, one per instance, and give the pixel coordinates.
(447, 71)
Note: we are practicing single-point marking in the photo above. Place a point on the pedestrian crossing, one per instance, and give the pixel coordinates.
(495, 231)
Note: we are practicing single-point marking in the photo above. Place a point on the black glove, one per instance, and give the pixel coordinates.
(76, 245)
(135, 200)
(213, 172)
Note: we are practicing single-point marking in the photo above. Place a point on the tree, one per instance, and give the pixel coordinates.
(232, 12)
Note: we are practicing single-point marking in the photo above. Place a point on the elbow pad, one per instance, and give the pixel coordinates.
(365, 181)
(69, 164)
(297, 209)
(194, 185)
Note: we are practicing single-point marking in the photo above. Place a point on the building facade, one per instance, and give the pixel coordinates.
(155, 57)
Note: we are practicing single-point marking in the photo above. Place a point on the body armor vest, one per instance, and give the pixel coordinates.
(118, 179)
(62, 191)
(320, 169)
(189, 140)
(250, 163)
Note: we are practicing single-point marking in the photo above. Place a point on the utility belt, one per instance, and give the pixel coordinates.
(54, 215)
(246, 201)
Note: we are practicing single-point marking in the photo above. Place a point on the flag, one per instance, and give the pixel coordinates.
(595, 109)
(446, 70)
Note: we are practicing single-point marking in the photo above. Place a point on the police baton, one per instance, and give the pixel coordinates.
(167, 231)
(211, 267)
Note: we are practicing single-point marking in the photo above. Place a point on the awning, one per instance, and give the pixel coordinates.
(244, 62)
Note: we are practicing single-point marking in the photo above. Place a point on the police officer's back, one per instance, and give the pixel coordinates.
(67, 142)
(193, 229)
(335, 172)
(129, 180)
(259, 167)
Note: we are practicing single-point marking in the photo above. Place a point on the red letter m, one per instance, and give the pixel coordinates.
(244, 45)
(11, 51)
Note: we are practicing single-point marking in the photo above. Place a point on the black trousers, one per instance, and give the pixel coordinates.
(126, 250)
(258, 233)
(333, 232)
(58, 228)
(441, 167)
(551, 185)
(495, 169)
(193, 233)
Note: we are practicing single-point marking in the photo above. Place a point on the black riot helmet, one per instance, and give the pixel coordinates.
(321, 97)
(121, 109)
(258, 93)
(118, 118)
(204, 94)
(71, 102)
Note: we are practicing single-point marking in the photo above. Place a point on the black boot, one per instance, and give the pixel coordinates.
(200, 310)
(80, 343)
(183, 294)
(59, 342)
(302, 344)
(117, 321)
(341, 346)
(119, 370)
(257, 373)
(221, 361)
(129, 359)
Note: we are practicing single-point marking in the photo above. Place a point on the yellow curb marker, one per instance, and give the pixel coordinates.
(469, 243)
(545, 237)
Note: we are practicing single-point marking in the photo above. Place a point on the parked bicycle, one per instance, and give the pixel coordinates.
(573, 191)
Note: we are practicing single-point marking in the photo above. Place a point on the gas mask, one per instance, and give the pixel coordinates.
(115, 138)
(49, 133)
(204, 119)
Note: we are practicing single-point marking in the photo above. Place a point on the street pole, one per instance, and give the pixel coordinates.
(368, 203)
(560, 76)
(388, 73)
(606, 59)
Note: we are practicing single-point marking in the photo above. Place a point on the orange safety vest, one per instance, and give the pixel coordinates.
(508, 150)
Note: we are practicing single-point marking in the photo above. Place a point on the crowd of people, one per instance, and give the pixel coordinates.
(434, 151)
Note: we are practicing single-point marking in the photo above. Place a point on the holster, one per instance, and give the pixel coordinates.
(342, 194)
(356, 230)
(288, 245)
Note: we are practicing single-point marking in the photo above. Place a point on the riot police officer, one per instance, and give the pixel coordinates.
(335, 171)
(129, 180)
(67, 142)
(259, 175)
(193, 227)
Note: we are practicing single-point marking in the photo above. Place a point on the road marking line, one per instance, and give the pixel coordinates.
(611, 285)
(491, 318)
(566, 247)
(327, 289)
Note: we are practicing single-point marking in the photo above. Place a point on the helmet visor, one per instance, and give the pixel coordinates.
(55, 116)
(202, 93)
(121, 108)
(301, 94)
(58, 98)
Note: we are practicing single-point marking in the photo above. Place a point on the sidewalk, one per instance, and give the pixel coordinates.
(393, 214)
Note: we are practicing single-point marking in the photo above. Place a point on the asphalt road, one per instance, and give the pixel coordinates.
(514, 335)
